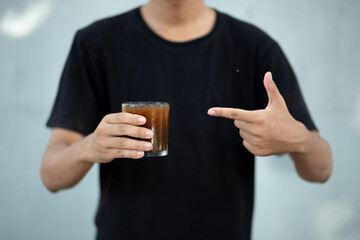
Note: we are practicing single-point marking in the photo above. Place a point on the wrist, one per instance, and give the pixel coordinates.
(304, 139)
(83, 153)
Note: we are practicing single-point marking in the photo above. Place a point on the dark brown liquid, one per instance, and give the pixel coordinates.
(157, 120)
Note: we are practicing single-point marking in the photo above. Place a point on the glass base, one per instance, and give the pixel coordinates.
(156, 154)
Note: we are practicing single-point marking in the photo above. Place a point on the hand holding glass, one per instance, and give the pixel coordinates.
(157, 120)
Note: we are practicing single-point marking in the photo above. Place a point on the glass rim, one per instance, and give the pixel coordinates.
(145, 104)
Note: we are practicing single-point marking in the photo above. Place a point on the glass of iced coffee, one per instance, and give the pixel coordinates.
(157, 120)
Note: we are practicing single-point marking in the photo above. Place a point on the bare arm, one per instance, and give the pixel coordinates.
(315, 162)
(70, 155)
(63, 165)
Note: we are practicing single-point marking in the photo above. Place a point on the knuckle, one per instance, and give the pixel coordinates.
(258, 117)
(233, 114)
(272, 125)
(140, 132)
(141, 146)
(106, 117)
(100, 129)
(107, 157)
(261, 120)
(257, 142)
(254, 143)
(236, 123)
(244, 144)
(121, 128)
(109, 117)
(134, 154)
(120, 116)
(257, 133)
(121, 142)
(242, 134)
(120, 153)
(104, 155)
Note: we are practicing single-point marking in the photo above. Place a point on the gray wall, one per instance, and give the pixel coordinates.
(321, 39)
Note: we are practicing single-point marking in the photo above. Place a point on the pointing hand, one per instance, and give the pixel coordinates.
(267, 131)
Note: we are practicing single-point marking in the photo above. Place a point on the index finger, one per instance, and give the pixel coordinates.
(124, 117)
(233, 113)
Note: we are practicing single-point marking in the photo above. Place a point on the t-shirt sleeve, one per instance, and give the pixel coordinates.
(273, 59)
(76, 103)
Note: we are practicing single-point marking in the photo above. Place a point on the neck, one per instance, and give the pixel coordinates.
(176, 12)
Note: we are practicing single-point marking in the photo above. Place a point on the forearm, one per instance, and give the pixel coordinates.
(314, 163)
(64, 166)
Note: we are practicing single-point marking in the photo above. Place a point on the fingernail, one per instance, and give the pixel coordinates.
(149, 133)
(148, 145)
(141, 119)
(140, 153)
(211, 112)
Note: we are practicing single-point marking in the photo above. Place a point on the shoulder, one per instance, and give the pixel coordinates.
(107, 28)
(248, 38)
(246, 32)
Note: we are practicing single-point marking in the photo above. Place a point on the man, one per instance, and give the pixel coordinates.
(195, 58)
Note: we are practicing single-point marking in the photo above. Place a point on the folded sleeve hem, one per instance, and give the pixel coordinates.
(71, 124)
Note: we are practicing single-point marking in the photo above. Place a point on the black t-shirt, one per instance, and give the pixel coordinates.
(204, 187)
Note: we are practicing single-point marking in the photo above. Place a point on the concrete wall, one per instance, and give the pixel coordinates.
(321, 39)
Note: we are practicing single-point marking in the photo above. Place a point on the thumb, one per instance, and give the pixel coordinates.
(272, 90)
